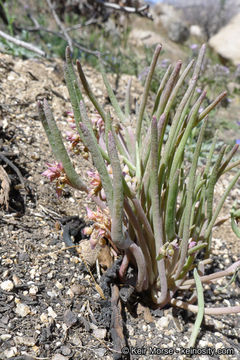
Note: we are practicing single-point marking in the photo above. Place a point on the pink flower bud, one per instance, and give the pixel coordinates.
(54, 171)
(192, 244)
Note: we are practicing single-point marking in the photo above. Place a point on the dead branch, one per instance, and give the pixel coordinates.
(5, 188)
(39, 28)
(23, 44)
(16, 170)
(142, 11)
(60, 25)
(116, 321)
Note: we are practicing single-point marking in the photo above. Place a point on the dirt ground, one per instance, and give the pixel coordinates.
(50, 307)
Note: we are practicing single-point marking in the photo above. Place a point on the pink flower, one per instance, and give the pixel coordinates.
(54, 171)
(96, 184)
(98, 125)
(96, 181)
(90, 214)
(191, 244)
(74, 139)
(97, 121)
(101, 227)
(71, 120)
(71, 136)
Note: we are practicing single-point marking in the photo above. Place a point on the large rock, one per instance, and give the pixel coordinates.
(227, 41)
(178, 32)
(172, 21)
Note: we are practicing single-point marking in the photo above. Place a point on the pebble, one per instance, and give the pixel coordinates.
(16, 280)
(100, 352)
(22, 309)
(75, 340)
(70, 293)
(130, 330)
(7, 285)
(59, 357)
(65, 350)
(162, 322)
(51, 312)
(203, 343)
(5, 337)
(64, 327)
(50, 275)
(218, 345)
(52, 293)
(59, 285)
(100, 333)
(78, 289)
(44, 318)
(70, 318)
(5, 273)
(24, 340)
(33, 290)
(10, 352)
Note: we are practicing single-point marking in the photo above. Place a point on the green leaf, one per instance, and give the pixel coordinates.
(200, 313)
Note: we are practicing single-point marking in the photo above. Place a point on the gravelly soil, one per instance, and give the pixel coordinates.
(50, 308)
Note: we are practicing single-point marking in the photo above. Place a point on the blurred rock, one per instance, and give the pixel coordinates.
(100, 333)
(22, 309)
(59, 357)
(7, 285)
(178, 32)
(196, 31)
(10, 353)
(24, 340)
(172, 21)
(227, 41)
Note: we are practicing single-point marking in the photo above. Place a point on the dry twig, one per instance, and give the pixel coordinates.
(60, 25)
(23, 44)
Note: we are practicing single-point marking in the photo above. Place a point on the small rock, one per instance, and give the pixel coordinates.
(70, 293)
(50, 275)
(163, 322)
(100, 352)
(59, 285)
(70, 318)
(203, 343)
(52, 294)
(16, 280)
(10, 352)
(65, 350)
(59, 357)
(51, 312)
(22, 309)
(130, 330)
(100, 333)
(178, 32)
(75, 340)
(5, 319)
(218, 345)
(24, 340)
(44, 318)
(33, 290)
(23, 257)
(7, 285)
(78, 289)
(5, 337)
(6, 273)
(64, 327)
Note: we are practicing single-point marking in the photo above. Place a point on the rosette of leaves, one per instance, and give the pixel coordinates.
(162, 220)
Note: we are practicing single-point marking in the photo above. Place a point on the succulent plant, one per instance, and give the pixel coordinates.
(158, 206)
